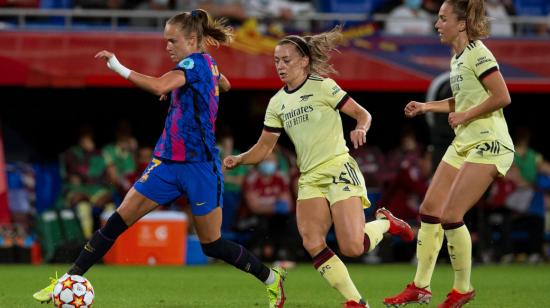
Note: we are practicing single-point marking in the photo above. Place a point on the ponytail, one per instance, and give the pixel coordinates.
(208, 30)
(317, 48)
(477, 25)
(473, 13)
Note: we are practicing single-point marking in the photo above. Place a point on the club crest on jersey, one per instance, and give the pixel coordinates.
(187, 63)
(304, 98)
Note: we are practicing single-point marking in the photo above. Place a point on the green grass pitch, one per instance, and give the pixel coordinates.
(223, 286)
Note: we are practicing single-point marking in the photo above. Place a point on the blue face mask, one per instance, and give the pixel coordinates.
(267, 168)
(413, 4)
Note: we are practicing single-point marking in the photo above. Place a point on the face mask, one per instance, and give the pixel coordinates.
(413, 4)
(267, 168)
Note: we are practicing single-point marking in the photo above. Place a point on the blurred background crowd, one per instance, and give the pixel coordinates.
(395, 17)
(83, 176)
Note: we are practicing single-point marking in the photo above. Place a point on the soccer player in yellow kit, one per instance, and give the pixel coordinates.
(331, 187)
(481, 151)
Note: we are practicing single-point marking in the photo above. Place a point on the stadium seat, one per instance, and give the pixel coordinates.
(531, 7)
(349, 6)
(47, 187)
(49, 230)
(72, 231)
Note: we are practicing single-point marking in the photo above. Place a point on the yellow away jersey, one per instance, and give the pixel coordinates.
(310, 116)
(467, 70)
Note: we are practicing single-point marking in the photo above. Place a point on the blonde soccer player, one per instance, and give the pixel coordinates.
(186, 160)
(331, 187)
(481, 151)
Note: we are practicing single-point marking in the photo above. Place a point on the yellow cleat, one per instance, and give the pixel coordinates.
(275, 291)
(45, 295)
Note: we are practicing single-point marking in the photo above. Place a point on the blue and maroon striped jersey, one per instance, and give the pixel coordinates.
(190, 125)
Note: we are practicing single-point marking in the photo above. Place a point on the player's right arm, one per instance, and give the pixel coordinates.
(256, 153)
(414, 108)
(158, 86)
(224, 83)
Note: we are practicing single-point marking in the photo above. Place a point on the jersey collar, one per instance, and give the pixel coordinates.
(298, 87)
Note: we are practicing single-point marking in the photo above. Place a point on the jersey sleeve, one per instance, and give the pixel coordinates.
(483, 62)
(332, 94)
(191, 68)
(272, 121)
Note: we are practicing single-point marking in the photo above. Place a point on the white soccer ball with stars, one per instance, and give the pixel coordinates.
(73, 291)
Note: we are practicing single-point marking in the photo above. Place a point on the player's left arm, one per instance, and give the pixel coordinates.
(498, 98)
(161, 85)
(485, 67)
(157, 85)
(358, 136)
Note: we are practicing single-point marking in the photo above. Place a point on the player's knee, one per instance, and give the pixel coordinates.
(352, 249)
(431, 208)
(313, 245)
(213, 249)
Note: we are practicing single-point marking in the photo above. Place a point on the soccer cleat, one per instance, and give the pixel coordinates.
(456, 299)
(411, 294)
(45, 295)
(397, 226)
(354, 304)
(275, 291)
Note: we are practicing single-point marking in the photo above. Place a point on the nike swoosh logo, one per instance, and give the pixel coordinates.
(200, 203)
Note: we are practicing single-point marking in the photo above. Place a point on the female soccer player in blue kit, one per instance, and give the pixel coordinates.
(186, 160)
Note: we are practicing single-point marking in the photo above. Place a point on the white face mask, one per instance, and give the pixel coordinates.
(267, 168)
(413, 4)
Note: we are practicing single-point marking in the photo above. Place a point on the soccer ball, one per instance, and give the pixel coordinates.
(73, 291)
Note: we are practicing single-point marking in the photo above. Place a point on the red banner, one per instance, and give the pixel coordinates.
(367, 62)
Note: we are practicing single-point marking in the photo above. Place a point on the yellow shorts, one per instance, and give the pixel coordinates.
(487, 152)
(336, 180)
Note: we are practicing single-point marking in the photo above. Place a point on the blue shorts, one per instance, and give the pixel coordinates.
(202, 182)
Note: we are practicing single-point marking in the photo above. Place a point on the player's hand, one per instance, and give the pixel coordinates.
(104, 55)
(358, 137)
(414, 108)
(457, 118)
(113, 64)
(232, 161)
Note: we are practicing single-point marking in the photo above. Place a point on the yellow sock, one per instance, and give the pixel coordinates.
(84, 213)
(430, 239)
(336, 274)
(459, 244)
(375, 231)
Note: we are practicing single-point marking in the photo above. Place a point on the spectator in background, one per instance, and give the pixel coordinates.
(233, 181)
(20, 3)
(120, 158)
(372, 163)
(499, 18)
(21, 187)
(85, 186)
(100, 4)
(269, 205)
(149, 5)
(532, 8)
(526, 159)
(527, 208)
(409, 19)
(404, 194)
(234, 10)
(432, 6)
(408, 151)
